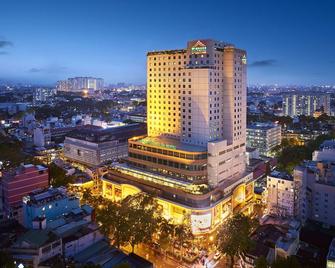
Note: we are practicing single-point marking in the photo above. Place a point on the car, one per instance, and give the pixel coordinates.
(217, 256)
(155, 245)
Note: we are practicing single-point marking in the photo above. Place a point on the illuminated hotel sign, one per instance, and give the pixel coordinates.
(244, 59)
(199, 48)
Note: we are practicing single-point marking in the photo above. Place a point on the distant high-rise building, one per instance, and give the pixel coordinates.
(305, 103)
(194, 156)
(62, 85)
(264, 137)
(42, 95)
(78, 84)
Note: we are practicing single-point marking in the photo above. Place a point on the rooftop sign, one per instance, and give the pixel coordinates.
(199, 48)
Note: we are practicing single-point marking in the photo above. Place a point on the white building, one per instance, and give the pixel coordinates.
(93, 146)
(78, 84)
(315, 182)
(42, 136)
(42, 95)
(77, 239)
(305, 103)
(35, 247)
(264, 137)
(280, 194)
(325, 152)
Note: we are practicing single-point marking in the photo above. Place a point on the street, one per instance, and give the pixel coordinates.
(163, 261)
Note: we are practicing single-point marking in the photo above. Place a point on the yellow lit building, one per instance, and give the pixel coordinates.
(194, 156)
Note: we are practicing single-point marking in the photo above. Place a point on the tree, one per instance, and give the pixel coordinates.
(143, 217)
(122, 265)
(6, 260)
(233, 237)
(11, 152)
(292, 154)
(261, 262)
(267, 168)
(93, 200)
(182, 234)
(58, 176)
(166, 233)
(90, 265)
(289, 262)
(132, 221)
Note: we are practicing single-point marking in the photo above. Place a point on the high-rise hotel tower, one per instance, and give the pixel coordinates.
(193, 158)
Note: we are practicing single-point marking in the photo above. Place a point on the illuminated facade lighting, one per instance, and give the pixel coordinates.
(194, 156)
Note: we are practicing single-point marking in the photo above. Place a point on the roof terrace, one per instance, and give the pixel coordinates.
(170, 143)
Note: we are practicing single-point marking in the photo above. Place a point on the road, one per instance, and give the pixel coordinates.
(162, 261)
(159, 260)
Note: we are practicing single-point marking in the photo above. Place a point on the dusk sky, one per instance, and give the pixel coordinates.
(288, 42)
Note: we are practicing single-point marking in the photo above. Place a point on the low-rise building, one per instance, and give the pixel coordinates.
(76, 238)
(264, 137)
(325, 152)
(103, 254)
(280, 194)
(315, 184)
(36, 246)
(96, 146)
(331, 255)
(272, 241)
(42, 136)
(47, 204)
(316, 195)
(19, 182)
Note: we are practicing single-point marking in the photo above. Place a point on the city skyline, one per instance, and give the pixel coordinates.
(45, 42)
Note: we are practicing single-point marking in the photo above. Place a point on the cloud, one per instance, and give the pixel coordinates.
(35, 70)
(51, 69)
(263, 63)
(5, 43)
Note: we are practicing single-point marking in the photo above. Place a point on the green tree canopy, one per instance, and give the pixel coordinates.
(58, 176)
(233, 237)
(261, 262)
(6, 260)
(132, 221)
(289, 262)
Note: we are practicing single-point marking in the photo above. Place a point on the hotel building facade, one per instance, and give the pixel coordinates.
(194, 156)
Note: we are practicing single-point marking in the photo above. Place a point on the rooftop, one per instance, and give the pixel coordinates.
(75, 215)
(281, 175)
(108, 134)
(36, 238)
(170, 143)
(172, 51)
(41, 196)
(262, 126)
(22, 168)
(328, 145)
(100, 253)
